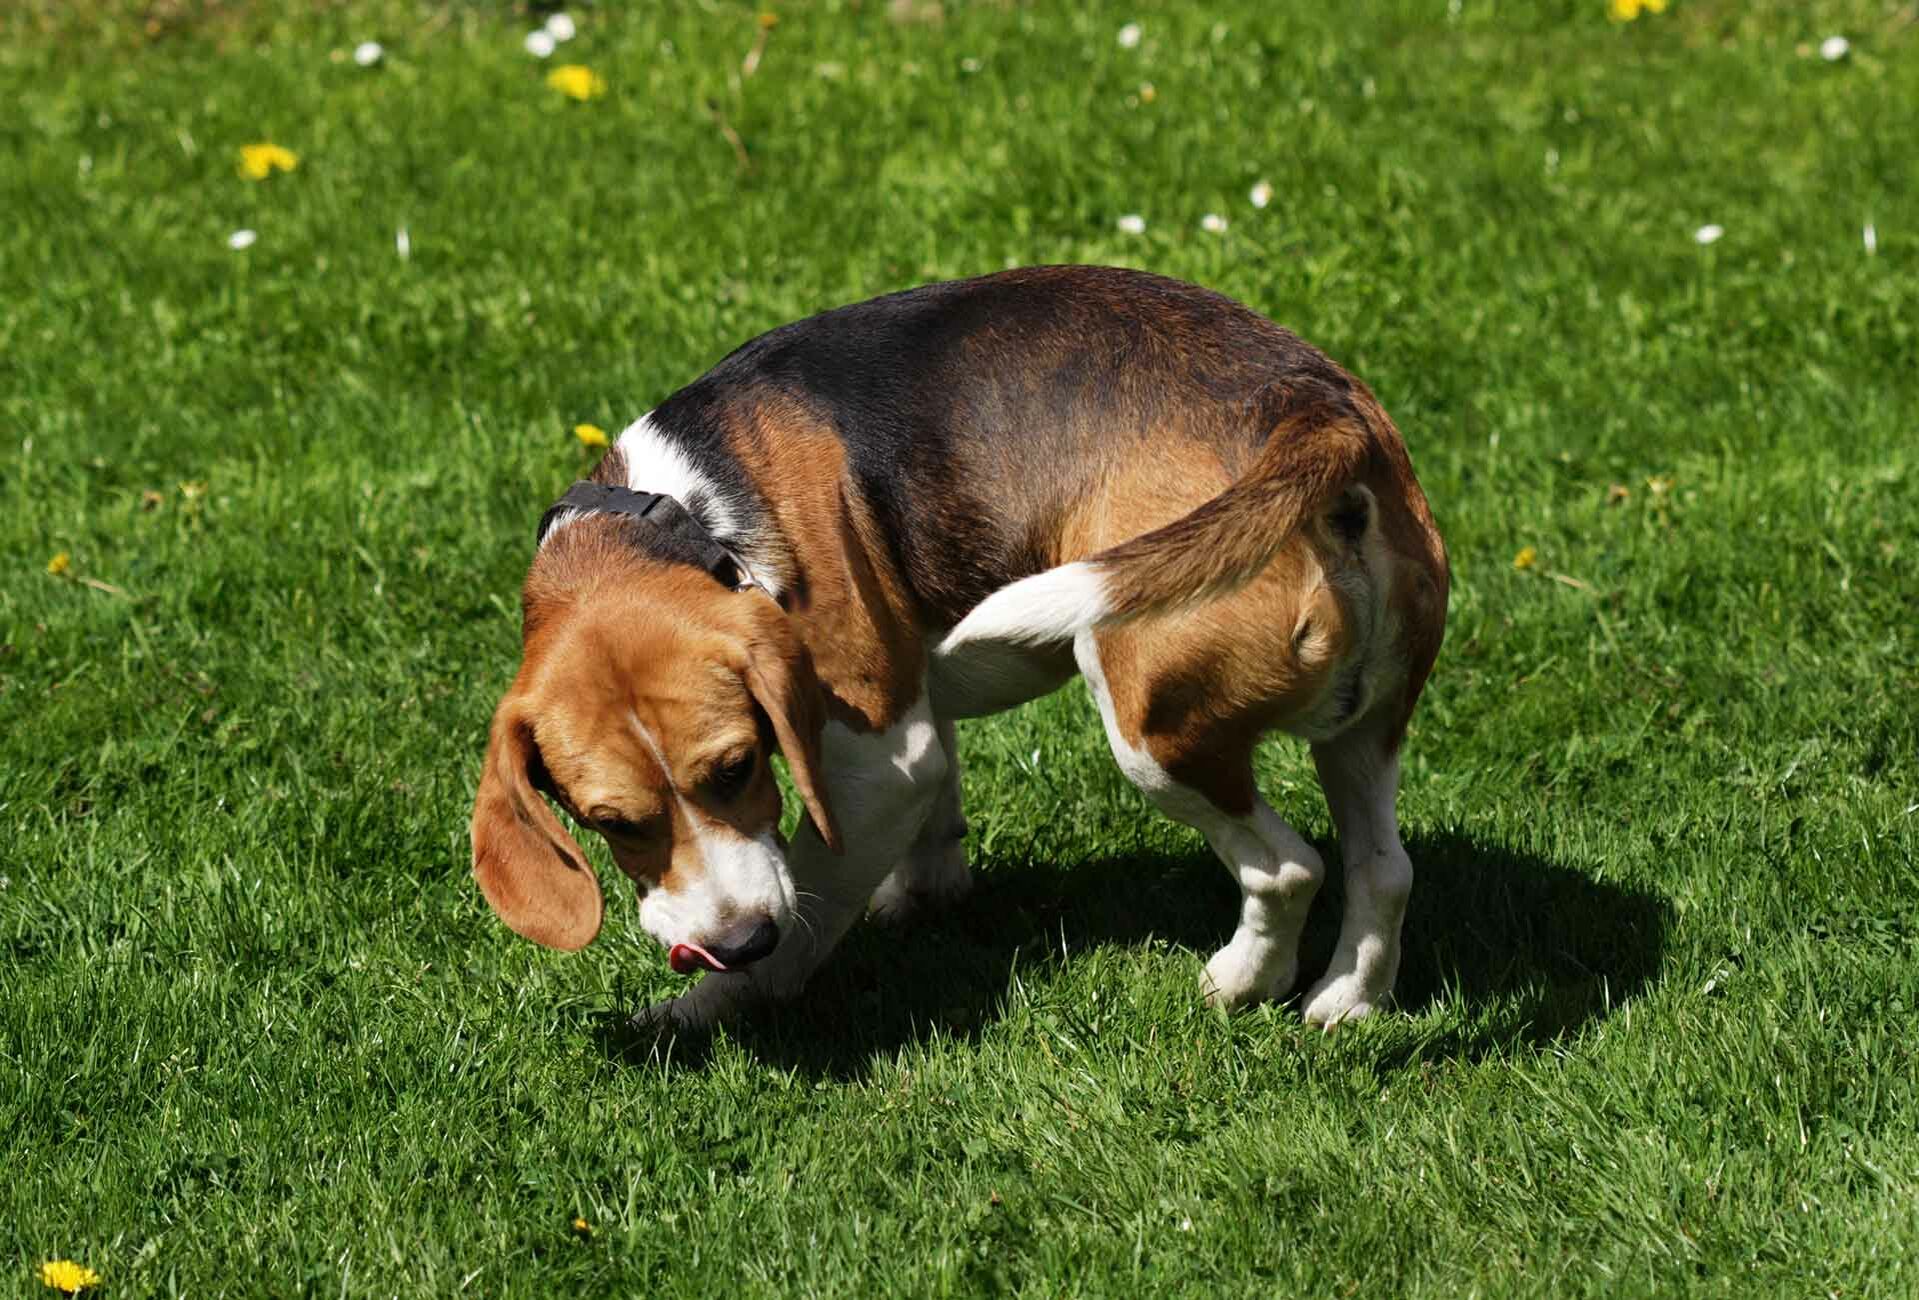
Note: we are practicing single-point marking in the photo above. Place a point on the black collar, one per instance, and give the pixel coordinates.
(664, 513)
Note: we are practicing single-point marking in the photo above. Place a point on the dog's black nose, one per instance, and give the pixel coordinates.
(746, 942)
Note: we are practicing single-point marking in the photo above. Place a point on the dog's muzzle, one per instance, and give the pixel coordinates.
(740, 946)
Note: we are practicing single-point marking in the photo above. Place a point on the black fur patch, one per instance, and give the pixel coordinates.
(976, 412)
(1352, 515)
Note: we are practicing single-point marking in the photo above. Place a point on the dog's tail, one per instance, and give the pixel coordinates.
(1318, 445)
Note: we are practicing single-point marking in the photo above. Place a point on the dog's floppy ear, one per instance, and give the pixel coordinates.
(779, 672)
(531, 871)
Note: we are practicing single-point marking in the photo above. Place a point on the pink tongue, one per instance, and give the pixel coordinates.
(685, 958)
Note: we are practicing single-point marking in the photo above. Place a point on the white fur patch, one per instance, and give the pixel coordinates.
(879, 781)
(738, 876)
(655, 464)
(1053, 606)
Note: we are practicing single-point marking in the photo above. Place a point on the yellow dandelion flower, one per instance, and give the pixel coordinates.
(582, 1227)
(59, 563)
(1653, 6)
(576, 81)
(1527, 557)
(259, 161)
(65, 1275)
(590, 435)
(1623, 11)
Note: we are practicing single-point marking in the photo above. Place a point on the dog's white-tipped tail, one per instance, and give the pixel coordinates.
(1044, 609)
(1318, 443)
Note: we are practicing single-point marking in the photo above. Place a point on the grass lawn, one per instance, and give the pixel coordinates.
(259, 1034)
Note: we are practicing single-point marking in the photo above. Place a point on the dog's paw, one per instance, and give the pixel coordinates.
(1358, 983)
(715, 998)
(922, 884)
(1339, 998)
(664, 1018)
(1247, 971)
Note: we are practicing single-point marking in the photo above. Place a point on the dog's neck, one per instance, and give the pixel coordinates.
(657, 523)
(657, 498)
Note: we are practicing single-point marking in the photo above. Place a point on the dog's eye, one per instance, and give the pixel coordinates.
(621, 829)
(729, 778)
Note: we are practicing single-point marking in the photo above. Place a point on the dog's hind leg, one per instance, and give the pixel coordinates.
(1360, 775)
(934, 872)
(1277, 871)
(1278, 874)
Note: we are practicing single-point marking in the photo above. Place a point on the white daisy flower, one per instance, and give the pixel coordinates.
(1262, 194)
(1133, 224)
(1834, 48)
(240, 239)
(1213, 224)
(1708, 234)
(1129, 36)
(560, 27)
(539, 43)
(1871, 238)
(368, 53)
(402, 244)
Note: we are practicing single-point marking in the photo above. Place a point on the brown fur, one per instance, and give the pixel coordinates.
(529, 868)
(1197, 689)
(845, 594)
(1313, 453)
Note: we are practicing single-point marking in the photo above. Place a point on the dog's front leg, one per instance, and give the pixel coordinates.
(883, 785)
(934, 872)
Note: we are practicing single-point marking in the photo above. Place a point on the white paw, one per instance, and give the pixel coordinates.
(1246, 971)
(920, 885)
(1339, 998)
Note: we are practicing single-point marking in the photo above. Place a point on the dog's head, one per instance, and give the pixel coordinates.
(647, 706)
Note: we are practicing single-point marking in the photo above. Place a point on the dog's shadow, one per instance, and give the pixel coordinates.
(1544, 948)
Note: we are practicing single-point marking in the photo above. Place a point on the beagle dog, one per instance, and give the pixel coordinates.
(938, 504)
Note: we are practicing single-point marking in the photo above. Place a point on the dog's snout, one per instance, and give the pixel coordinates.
(746, 942)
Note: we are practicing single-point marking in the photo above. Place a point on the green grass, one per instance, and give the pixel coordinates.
(260, 1035)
